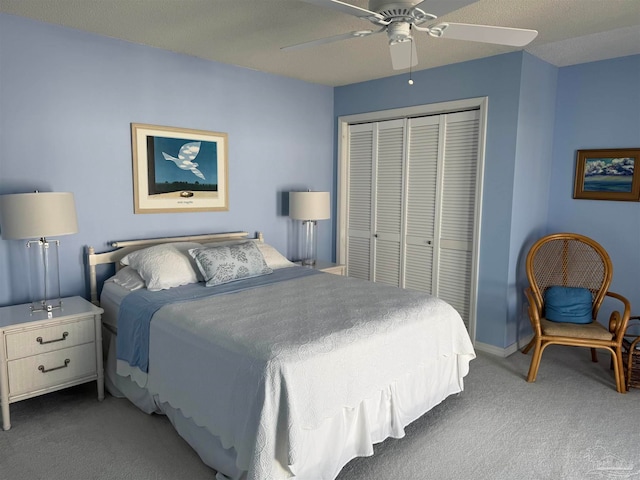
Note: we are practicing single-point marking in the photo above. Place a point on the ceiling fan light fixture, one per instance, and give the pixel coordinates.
(402, 40)
(403, 54)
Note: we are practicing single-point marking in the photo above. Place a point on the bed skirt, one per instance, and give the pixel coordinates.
(352, 433)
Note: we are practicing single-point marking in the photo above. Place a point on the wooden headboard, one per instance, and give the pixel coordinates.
(123, 248)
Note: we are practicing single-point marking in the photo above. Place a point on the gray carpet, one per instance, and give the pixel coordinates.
(570, 424)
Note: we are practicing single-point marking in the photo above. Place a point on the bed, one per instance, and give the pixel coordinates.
(284, 373)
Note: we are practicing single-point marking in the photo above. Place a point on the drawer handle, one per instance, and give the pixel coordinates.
(45, 370)
(43, 342)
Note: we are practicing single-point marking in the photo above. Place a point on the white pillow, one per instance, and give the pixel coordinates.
(273, 257)
(128, 278)
(164, 266)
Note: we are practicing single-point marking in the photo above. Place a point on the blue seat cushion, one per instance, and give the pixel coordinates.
(568, 305)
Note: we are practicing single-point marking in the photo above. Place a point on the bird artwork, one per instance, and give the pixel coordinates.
(188, 152)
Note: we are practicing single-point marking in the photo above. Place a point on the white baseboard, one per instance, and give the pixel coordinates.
(503, 352)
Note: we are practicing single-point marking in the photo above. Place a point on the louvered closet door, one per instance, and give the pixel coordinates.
(457, 213)
(388, 201)
(421, 197)
(359, 201)
(411, 204)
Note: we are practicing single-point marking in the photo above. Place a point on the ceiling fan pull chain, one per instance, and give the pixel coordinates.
(411, 63)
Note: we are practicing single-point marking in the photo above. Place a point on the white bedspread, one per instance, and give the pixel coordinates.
(261, 368)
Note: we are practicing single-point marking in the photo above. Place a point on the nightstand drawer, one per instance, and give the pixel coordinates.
(49, 338)
(53, 368)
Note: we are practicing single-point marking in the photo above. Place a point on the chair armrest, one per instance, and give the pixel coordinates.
(633, 338)
(535, 311)
(617, 323)
(633, 322)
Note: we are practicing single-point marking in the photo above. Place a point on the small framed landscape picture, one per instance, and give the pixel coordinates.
(178, 169)
(611, 174)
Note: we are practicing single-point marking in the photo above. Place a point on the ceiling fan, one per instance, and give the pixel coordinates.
(399, 19)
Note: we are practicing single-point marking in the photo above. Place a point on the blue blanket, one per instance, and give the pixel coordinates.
(137, 308)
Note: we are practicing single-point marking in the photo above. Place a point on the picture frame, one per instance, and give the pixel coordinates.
(608, 174)
(178, 169)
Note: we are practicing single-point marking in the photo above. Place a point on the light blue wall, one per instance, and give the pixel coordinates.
(599, 107)
(531, 182)
(67, 100)
(498, 78)
(539, 115)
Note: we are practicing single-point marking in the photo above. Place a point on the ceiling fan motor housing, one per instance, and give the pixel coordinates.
(393, 10)
(399, 31)
(400, 17)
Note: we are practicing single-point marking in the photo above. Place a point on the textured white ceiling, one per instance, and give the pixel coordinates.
(250, 33)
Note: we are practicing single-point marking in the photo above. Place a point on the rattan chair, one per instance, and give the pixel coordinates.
(572, 260)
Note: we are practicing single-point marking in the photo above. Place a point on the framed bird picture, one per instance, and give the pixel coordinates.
(178, 169)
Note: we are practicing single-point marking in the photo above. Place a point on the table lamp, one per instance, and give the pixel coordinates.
(40, 215)
(309, 207)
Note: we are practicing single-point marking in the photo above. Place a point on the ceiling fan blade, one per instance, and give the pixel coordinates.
(442, 7)
(515, 37)
(335, 38)
(403, 54)
(350, 10)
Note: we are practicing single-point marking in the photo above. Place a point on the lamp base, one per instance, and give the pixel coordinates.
(309, 242)
(45, 275)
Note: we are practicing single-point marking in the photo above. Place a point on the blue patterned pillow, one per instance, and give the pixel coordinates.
(227, 263)
(568, 304)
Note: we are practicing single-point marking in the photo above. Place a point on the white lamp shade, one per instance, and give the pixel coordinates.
(37, 215)
(309, 205)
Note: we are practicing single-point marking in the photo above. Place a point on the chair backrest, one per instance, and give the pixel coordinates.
(569, 260)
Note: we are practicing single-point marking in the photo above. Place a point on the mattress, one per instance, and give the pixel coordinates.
(110, 299)
(321, 399)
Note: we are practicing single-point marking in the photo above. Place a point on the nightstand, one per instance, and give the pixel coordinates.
(41, 352)
(328, 267)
